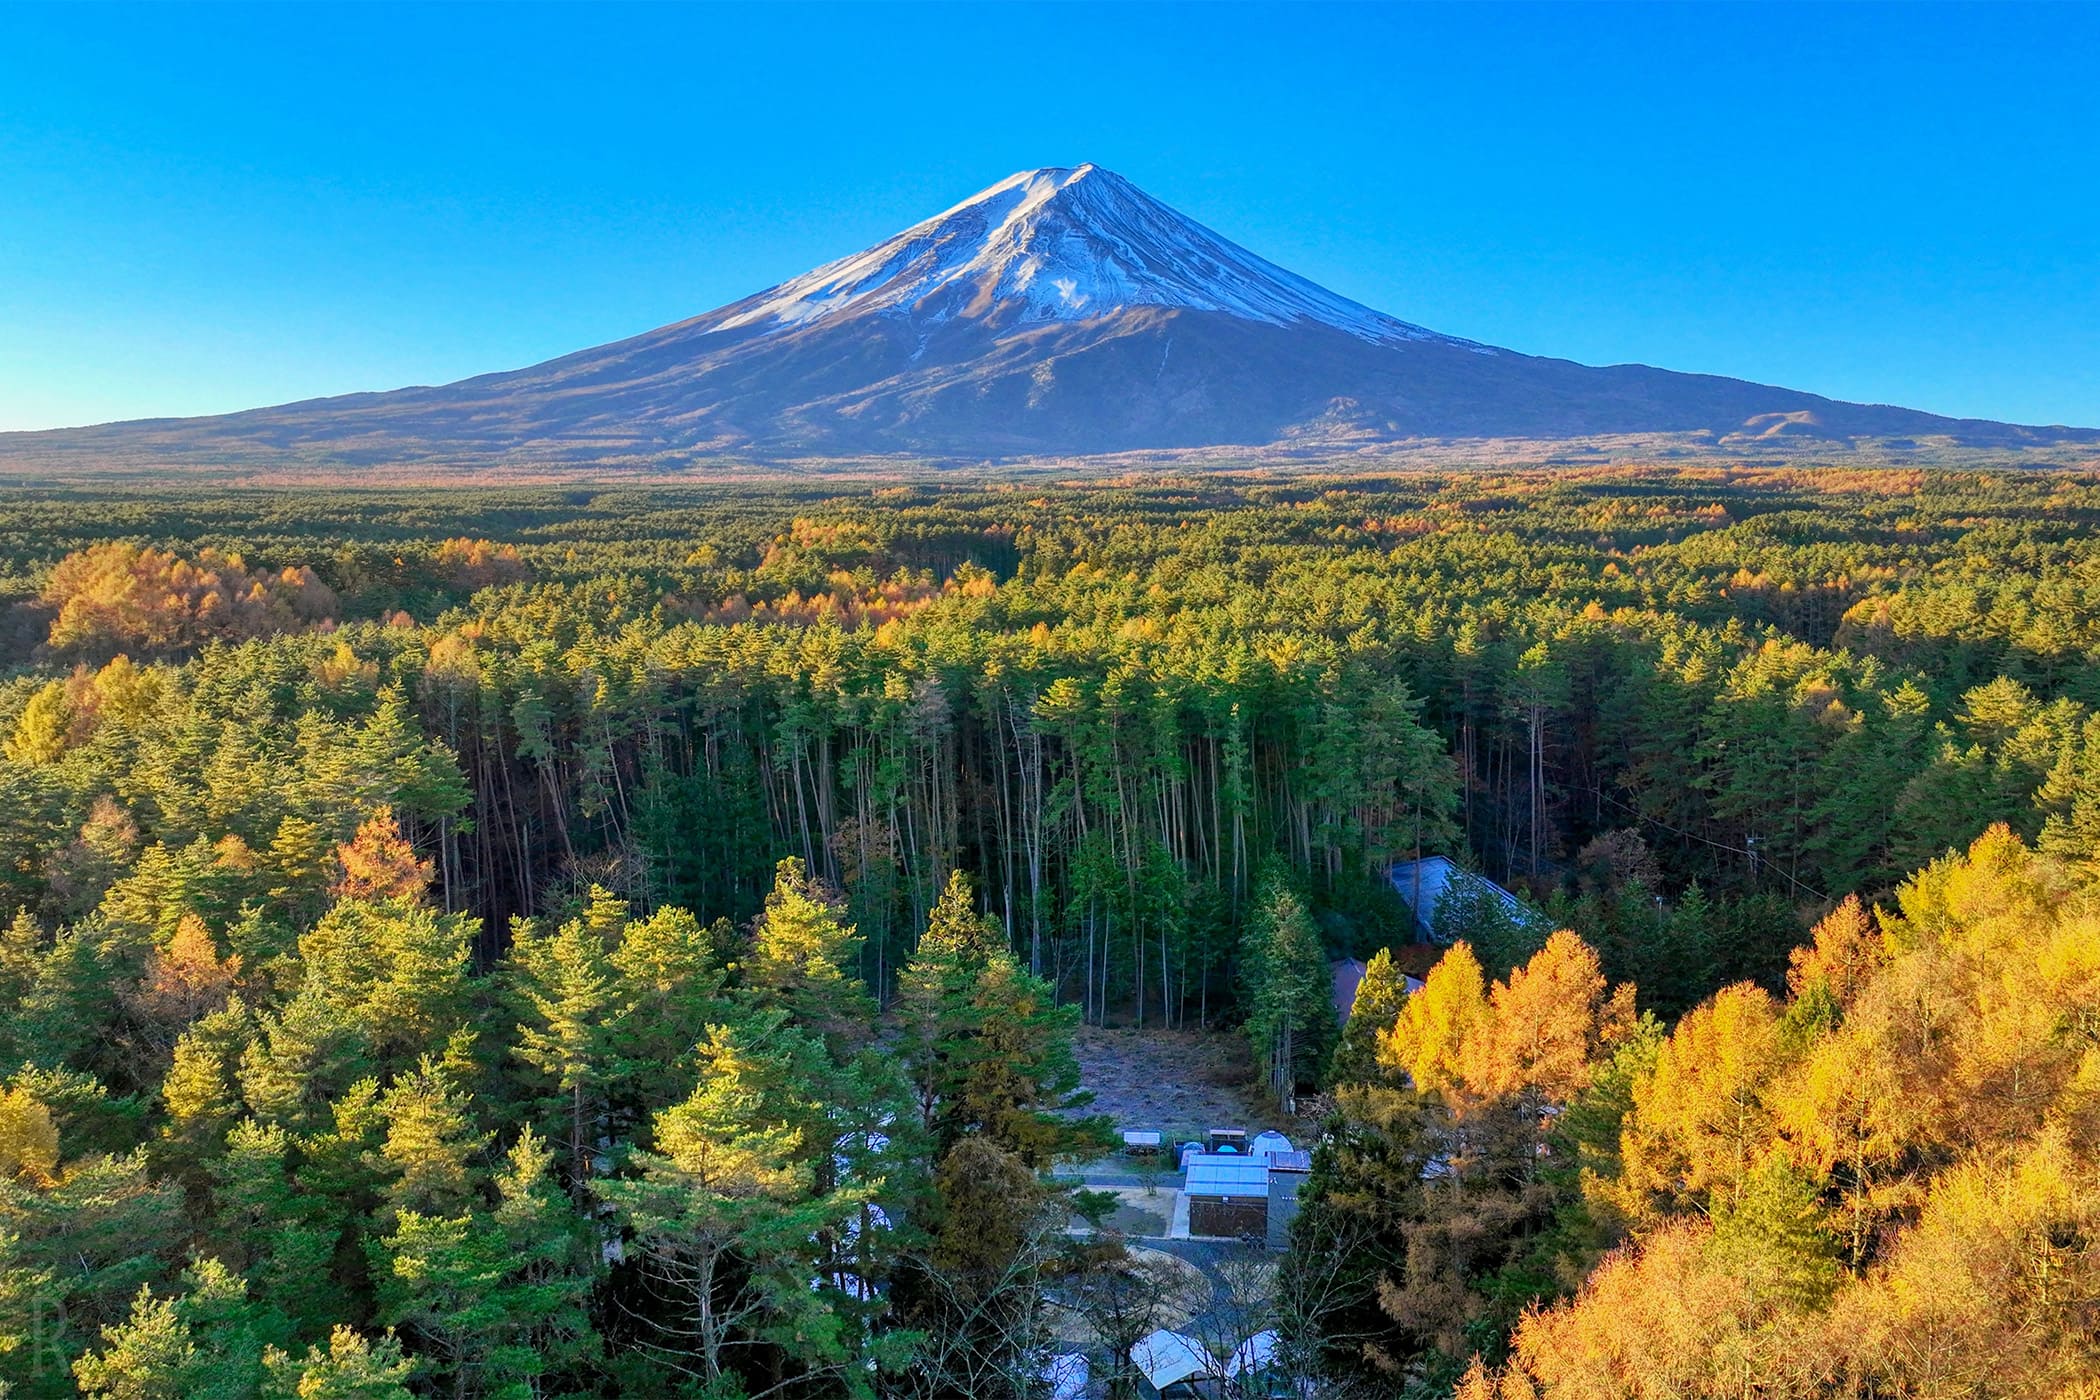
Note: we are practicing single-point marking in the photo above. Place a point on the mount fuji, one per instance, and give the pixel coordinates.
(1059, 312)
(1058, 245)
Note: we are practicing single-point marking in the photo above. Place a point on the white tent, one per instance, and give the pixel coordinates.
(1168, 1358)
(1267, 1143)
(1253, 1356)
(1067, 1377)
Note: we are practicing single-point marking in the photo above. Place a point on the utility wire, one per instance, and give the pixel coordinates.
(1755, 859)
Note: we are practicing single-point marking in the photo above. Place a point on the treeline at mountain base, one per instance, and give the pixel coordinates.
(511, 943)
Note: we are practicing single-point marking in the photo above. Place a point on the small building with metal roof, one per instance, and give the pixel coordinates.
(1421, 885)
(1228, 1195)
(1287, 1175)
(1174, 1367)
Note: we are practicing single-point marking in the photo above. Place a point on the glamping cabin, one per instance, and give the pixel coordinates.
(1228, 1195)
(1175, 1367)
(1421, 884)
(1143, 1142)
(1287, 1175)
(1252, 1372)
(1250, 1193)
(1346, 974)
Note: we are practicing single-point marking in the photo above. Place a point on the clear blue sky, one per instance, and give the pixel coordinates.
(210, 209)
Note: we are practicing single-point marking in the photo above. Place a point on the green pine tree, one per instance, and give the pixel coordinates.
(803, 961)
(570, 1022)
(987, 1047)
(670, 975)
(1379, 994)
(1287, 989)
(206, 1343)
(351, 1368)
(724, 1214)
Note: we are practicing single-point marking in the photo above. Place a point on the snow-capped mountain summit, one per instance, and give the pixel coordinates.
(1060, 244)
(1061, 311)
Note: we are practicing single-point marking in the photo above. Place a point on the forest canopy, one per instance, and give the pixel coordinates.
(514, 942)
(1883, 1183)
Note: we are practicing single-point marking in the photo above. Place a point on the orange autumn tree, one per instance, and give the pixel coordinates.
(379, 863)
(28, 1139)
(117, 596)
(1429, 1040)
(1459, 1182)
(1847, 949)
(185, 977)
(1699, 1120)
(1533, 1037)
(1888, 1185)
(1546, 1025)
(470, 564)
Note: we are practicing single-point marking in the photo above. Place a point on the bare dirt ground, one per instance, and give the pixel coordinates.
(1142, 1212)
(1178, 1082)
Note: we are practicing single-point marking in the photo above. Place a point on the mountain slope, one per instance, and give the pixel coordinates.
(1057, 245)
(1059, 311)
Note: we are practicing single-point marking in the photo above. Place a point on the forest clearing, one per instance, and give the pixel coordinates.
(1177, 1083)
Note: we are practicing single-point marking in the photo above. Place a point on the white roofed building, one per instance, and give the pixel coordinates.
(1228, 1195)
(1176, 1367)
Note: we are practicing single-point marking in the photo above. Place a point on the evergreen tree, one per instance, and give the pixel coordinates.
(1469, 910)
(352, 1368)
(1380, 993)
(1774, 1236)
(571, 1023)
(494, 1298)
(200, 1103)
(431, 1145)
(935, 992)
(76, 1247)
(1288, 990)
(207, 1343)
(1021, 1081)
(279, 1231)
(804, 961)
(396, 972)
(722, 1215)
(553, 1265)
(301, 1058)
(987, 1047)
(670, 972)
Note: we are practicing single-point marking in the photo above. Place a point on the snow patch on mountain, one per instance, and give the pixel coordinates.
(1060, 245)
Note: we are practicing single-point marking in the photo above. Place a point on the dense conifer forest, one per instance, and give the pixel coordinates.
(592, 940)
